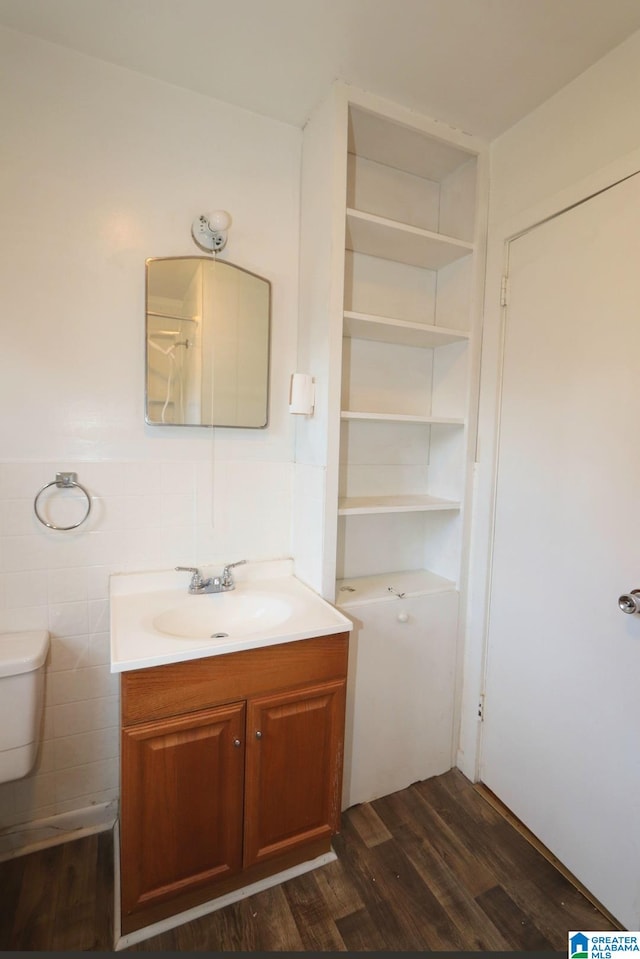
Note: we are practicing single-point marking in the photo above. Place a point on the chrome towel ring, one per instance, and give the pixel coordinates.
(62, 481)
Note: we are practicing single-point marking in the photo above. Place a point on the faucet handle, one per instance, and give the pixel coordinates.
(226, 572)
(196, 579)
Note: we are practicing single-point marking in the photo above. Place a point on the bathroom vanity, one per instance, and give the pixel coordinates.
(232, 748)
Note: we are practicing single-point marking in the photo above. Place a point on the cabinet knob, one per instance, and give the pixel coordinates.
(403, 617)
(236, 742)
(258, 734)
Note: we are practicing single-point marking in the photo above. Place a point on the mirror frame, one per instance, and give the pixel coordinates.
(208, 426)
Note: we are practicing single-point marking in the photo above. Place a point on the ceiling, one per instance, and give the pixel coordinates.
(479, 65)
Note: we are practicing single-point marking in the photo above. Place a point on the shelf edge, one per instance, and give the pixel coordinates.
(408, 228)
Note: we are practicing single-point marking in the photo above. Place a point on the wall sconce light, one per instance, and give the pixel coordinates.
(209, 230)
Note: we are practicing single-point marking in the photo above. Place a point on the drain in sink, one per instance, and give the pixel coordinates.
(219, 635)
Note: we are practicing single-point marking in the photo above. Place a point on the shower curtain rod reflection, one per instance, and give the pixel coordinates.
(174, 316)
(186, 343)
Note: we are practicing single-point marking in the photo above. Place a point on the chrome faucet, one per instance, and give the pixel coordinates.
(227, 579)
(215, 584)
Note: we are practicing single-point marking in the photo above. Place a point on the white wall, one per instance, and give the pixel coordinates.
(581, 140)
(102, 168)
(585, 127)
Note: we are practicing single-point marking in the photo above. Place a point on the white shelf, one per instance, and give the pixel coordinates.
(362, 505)
(386, 329)
(391, 240)
(401, 418)
(358, 591)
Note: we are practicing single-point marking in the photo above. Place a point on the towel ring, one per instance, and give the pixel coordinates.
(62, 481)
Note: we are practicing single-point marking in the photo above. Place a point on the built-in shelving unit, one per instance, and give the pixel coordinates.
(389, 286)
(392, 215)
(409, 248)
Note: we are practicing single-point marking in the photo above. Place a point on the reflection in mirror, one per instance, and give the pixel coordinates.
(207, 343)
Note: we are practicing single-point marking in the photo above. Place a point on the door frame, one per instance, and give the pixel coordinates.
(483, 506)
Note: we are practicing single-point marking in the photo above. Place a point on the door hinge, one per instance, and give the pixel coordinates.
(481, 708)
(504, 290)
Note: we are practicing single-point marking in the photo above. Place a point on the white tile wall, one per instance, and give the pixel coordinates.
(144, 516)
(309, 524)
(161, 498)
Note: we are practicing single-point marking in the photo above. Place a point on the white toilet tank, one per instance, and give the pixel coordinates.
(22, 657)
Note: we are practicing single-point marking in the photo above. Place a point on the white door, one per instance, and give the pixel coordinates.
(561, 737)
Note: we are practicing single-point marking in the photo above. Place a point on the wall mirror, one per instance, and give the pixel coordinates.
(207, 343)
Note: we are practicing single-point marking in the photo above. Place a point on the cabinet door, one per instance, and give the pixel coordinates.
(402, 695)
(181, 817)
(294, 769)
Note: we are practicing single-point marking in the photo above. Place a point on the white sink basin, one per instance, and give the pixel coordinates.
(156, 621)
(218, 615)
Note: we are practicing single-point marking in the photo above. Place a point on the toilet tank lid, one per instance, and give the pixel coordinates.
(23, 652)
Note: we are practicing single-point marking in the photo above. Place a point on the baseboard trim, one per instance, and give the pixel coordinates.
(24, 838)
(205, 908)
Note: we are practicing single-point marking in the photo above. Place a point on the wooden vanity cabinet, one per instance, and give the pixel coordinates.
(231, 771)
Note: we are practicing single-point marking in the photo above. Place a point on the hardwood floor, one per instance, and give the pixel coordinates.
(60, 898)
(434, 868)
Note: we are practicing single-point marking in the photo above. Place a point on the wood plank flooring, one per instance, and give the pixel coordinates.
(60, 898)
(432, 868)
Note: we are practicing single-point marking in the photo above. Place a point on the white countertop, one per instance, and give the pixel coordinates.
(139, 599)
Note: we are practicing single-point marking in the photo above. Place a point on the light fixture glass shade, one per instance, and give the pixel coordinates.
(219, 220)
(209, 230)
